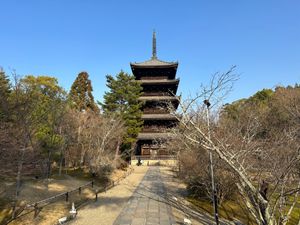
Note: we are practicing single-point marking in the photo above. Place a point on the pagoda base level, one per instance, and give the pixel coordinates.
(146, 161)
(149, 153)
(151, 148)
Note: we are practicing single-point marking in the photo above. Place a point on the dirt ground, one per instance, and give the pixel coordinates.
(36, 190)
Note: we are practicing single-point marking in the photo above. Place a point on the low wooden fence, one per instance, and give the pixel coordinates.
(36, 207)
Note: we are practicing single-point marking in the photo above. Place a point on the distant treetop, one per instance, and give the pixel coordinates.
(81, 93)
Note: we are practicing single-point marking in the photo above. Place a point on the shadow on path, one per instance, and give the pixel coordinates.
(147, 205)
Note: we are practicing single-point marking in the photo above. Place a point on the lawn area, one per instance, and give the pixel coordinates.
(228, 210)
(231, 210)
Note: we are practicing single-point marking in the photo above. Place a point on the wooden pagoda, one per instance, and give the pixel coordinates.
(158, 79)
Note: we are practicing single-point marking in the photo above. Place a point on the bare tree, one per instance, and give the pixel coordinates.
(22, 103)
(258, 163)
(105, 134)
(97, 140)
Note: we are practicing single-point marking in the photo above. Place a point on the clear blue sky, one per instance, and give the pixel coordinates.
(60, 38)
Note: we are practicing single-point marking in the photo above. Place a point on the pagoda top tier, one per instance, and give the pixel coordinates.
(154, 62)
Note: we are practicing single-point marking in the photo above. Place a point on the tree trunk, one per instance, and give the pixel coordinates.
(49, 164)
(18, 182)
(117, 152)
(60, 162)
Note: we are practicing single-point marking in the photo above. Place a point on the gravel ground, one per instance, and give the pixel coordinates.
(111, 203)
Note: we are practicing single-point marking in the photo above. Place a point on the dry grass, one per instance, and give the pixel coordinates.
(36, 190)
(231, 210)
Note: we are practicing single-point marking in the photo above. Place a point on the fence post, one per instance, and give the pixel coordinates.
(36, 210)
(67, 196)
(13, 216)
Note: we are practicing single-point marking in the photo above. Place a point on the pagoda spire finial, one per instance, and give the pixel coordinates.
(154, 45)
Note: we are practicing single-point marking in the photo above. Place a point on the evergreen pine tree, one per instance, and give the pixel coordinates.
(81, 93)
(4, 94)
(122, 99)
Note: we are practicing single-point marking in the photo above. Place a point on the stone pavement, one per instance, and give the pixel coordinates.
(147, 205)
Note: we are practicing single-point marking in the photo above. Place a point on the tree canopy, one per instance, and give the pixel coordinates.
(81, 93)
(4, 93)
(122, 100)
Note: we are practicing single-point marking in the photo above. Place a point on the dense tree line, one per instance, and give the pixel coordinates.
(43, 128)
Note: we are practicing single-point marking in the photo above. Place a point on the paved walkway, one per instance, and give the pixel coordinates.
(140, 200)
(147, 204)
(110, 203)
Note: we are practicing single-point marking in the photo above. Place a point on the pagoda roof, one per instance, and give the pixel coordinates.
(159, 81)
(159, 98)
(151, 136)
(154, 62)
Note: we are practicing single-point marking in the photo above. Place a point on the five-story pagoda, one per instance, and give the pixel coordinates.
(158, 79)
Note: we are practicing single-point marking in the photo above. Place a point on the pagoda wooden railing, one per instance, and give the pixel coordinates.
(155, 111)
(160, 81)
(154, 78)
(154, 129)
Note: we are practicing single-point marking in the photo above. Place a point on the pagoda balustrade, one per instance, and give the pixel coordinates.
(155, 110)
(161, 93)
(155, 78)
(154, 129)
(159, 81)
